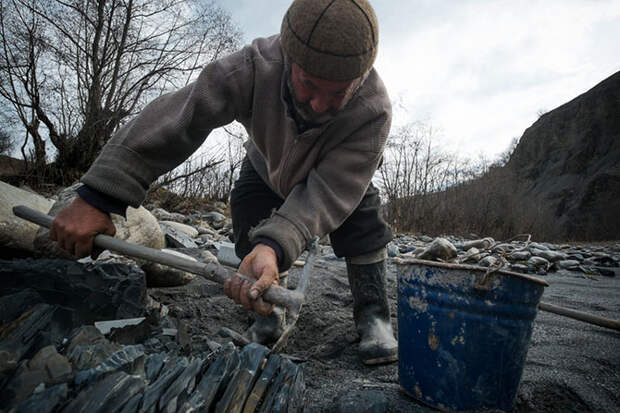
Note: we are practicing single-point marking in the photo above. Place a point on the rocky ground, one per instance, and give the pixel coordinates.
(571, 365)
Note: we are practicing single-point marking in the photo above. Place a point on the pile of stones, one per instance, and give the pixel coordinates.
(87, 338)
(517, 255)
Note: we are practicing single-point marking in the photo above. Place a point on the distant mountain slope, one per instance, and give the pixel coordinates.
(569, 161)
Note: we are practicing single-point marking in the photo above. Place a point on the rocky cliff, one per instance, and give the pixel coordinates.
(569, 162)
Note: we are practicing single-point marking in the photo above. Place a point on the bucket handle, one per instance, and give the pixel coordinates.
(483, 281)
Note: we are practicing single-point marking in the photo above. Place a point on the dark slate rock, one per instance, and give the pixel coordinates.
(215, 380)
(131, 334)
(538, 246)
(549, 254)
(523, 255)
(177, 239)
(45, 401)
(488, 261)
(47, 367)
(367, 401)
(129, 359)
(14, 305)
(23, 336)
(133, 404)
(154, 391)
(260, 387)
(240, 385)
(88, 348)
(575, 256)
(276, 399)
(96, 292)
(393, 250)
(213, 216)
(153, 366)
(601, 261)
(154, 345)
(107, 395)
(607, 271)
(296, 401)
(567, 265)
(178, 392)
(403, 249)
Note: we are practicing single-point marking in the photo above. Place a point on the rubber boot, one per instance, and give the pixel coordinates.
(268, 329)
(372, 313)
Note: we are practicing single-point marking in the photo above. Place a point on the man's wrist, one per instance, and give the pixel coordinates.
(277, 249)
(102, 201)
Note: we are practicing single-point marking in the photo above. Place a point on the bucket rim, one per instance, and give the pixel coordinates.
(453, 266)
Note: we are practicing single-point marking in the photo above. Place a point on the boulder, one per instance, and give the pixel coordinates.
(213, 216)
(140, 227)
(549, 255)
(489, 261)
(522, 255)
(16, 233)
(163, 215)
(440, 249)
(183, 228)
(175, 238)
(567, 264)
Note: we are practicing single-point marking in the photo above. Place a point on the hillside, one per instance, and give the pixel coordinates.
(569, 162)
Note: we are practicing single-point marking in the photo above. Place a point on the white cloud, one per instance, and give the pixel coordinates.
(482, 69)
(479, 69)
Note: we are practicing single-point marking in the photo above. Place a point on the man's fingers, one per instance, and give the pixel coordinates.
(227, 288)
(264, 282)
(232, 288)
(82, 250)
(110, 230)
(52, 234)
(67, 244)
(244, 297)
(262, 307)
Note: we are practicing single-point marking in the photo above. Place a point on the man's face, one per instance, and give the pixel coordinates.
(317, 100)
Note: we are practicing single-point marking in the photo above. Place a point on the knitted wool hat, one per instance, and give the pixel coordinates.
(331, 39)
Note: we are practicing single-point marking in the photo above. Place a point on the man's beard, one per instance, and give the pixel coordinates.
(304, 109)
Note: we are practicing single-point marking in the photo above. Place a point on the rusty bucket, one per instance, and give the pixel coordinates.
(463, 333)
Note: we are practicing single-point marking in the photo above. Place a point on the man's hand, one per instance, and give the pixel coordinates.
(261, 264)
(75, 227)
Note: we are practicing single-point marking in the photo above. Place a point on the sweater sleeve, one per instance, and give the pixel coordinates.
(170, 128)
(332, 191)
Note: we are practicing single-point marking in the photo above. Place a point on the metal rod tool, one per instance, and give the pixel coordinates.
(292, 300)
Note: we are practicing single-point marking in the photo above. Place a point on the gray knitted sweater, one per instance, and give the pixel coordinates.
(322, 173)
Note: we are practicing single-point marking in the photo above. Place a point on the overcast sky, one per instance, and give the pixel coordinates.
(477, 70)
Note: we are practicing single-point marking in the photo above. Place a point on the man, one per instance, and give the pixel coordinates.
(317, 116)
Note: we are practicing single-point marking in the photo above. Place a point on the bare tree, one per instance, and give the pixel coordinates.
(73, 70)
(413, 167)
(6, 143)
(212, 171)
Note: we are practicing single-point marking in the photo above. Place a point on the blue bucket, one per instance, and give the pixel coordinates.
(463, 334)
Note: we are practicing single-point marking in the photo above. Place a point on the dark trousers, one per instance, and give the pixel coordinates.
(251, 201)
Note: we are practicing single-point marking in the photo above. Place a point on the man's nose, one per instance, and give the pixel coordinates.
(319, 104)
